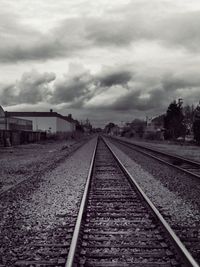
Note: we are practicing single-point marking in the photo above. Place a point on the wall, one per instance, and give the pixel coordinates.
(19, 124)
(73, 126)
(2, 113)
(52, 125)
(63, 125)
(2, 124)
(43, 123)
(20, 137)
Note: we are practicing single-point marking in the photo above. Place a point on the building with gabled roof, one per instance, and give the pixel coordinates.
(14, 124)
(51, 122)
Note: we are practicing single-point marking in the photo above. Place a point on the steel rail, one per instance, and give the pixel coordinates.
(184, 160)
(74, 242)
(184, 253)
(192, 162)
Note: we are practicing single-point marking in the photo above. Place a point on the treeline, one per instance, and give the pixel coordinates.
(180, 121)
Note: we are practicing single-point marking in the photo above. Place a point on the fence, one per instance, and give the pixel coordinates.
(11, 137)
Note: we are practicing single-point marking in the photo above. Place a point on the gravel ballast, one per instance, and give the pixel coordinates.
(41, 212)
(189, 151)
(180, 212)
(23, 162)
(171, 203)
(183, 185)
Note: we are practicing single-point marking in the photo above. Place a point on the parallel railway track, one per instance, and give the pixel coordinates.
(117, 224)
(186, 165)
(189, 233)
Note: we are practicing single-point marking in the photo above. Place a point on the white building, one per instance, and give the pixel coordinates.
(12, 123)
(51, 122)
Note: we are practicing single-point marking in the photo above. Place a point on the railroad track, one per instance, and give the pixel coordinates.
(45, 246)
(46, 254)
(189, 233)
(117, 224)
(188, 166)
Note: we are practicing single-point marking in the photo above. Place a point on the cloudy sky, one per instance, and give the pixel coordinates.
(105, 60)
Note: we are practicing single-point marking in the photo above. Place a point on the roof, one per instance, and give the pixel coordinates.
(13, 119)
(2, 113)
(36, 114)
(158, 119)
(70, 119)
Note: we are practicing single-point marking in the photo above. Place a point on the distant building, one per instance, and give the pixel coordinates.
(2, 113)
(13, 123)
(115, 131)
(87, 127)
(156, 123)
(73, 122)
(51, 122)
(155, 127)
(196, 116)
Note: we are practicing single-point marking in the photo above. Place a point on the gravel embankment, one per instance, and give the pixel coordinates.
(171, 203)
(25, 161)
(174, 194)
(182, 185)
(41, 211)
(191, 152)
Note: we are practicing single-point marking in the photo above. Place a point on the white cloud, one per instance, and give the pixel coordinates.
(109, 51)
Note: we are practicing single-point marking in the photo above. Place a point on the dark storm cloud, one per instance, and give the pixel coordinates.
(172, 82)
(141, 55)
(70, 89)
(38, 47)
(115, 78)
(20, 42)
(73, 89)
(181, 30)
(40, 51)
(171, 87)
(134, 100)
(32, 88)
(78, 89)
(7, 95)
(106, 32)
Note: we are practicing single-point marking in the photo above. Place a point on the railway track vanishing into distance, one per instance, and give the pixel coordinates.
(188, 233)
(118, 225)
(186, 165)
